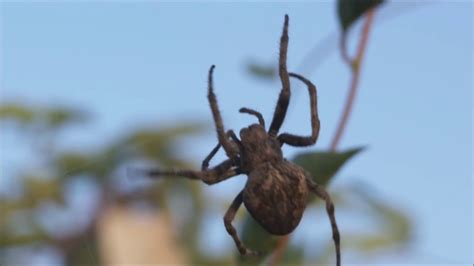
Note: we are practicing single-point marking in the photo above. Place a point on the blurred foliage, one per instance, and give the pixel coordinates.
(262, 71)
(350, 10)
(18, 113)
(43, 118)
(395, 227)
(392, 227)
(100, 164)
(255, 238)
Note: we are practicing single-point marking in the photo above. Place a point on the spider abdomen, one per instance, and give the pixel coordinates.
(276, 196)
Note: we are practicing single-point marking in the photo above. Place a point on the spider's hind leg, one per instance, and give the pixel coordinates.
(322, 193)
(228, 218)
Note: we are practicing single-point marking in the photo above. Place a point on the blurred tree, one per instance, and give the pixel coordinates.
(100, 166)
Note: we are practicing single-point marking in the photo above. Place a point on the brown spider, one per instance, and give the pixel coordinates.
(277, 191)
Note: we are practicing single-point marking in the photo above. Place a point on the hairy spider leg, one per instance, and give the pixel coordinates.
(321, 192)
(259, 116)
(228, 218)
(230, 150)
(300, 141)
(205, 162)
(284, 97)
(212, 176)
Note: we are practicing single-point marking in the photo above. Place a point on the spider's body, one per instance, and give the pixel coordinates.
(277, 191)
(258, 148)
(275, 195)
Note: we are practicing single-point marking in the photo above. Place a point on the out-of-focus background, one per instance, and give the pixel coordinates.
(89, 90)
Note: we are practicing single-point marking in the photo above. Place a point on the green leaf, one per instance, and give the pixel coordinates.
(38, 190)
(395, 226)
(263, 71)
(59, 116)
(98, 166)
(350, 10)
(159, 144)
(324, 165)
(9, 240)
(51, 117)
(256, 238)
(293, 255)
(16, 112)
(72, 163)
(156, 144)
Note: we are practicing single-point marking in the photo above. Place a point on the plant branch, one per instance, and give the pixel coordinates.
(355, 67)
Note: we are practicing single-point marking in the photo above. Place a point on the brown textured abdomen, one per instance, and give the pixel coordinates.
(276, 196)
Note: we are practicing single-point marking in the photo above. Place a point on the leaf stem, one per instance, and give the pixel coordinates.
(354, 64)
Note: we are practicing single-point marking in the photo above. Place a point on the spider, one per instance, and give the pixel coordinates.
(277, 191)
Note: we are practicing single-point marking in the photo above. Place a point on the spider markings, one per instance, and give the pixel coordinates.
(277, 191)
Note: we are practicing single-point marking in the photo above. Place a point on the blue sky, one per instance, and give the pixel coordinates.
(146, 63)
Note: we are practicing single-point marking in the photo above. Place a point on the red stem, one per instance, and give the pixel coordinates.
(355, 66)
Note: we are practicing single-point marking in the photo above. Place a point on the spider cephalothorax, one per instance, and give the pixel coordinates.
(277, 191)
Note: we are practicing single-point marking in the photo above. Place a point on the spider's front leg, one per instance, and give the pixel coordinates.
(230, 134)
(211, 176)
(284, 97)
(259, 116)
(300, 141)
(230, 150)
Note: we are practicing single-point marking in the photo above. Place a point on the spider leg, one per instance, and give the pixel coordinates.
(249, 111)
(230, 150)
(211, 176)
(321, 192)
(300, 141)
(284, 97)
(205, 162)
(228, 218)
(234, 138)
